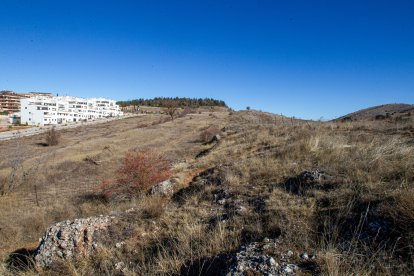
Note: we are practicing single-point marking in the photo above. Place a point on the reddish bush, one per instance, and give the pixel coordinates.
(140, 170)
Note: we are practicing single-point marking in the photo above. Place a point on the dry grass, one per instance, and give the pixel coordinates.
(52, 137)
(360, 222)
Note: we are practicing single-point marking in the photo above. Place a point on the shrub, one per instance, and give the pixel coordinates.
(3, 186)
(153, 208)
(185, 112)
(142, 125)
(140, 170)
(52, 137)
(208, 134)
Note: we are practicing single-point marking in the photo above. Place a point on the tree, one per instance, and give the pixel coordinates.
(171, 108)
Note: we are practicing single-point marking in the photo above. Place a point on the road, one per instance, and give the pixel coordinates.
(7, 135)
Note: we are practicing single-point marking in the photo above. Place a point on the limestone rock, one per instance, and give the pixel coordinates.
(163, 188)
(69, 239)
(252, 260)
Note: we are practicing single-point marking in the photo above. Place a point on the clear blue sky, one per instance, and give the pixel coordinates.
(301, 58)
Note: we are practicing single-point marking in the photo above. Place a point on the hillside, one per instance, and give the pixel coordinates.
(248, 192)
(381, 112)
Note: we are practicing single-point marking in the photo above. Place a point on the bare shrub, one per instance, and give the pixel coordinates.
(52, 137)
(143, 125)
(153, 208)
(3, 185)
(161, 121)
(187, 110)
(208, 134)
(171, 108)
(140, 170)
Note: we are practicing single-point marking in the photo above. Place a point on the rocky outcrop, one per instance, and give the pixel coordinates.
(69, 239)
(254, 259)
(307, 180)
(163, 188)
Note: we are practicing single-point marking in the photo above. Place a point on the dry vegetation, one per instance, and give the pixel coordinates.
(359, 221)
(139, 171)
(52, 137)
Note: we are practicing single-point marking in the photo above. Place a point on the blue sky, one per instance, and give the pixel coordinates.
(308, 59)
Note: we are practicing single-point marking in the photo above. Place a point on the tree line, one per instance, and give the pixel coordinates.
(178, 102)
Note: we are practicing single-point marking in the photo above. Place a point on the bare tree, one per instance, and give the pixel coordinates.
(171, 108)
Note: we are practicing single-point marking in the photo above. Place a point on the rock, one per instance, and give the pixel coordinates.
(307, 180)
(163, 188)
(289, 253)
(305, 256)
(221, 194)
(68, 239)
(221, 201)
(287, 269)
(271, 262)
(119, 244)
(252, 260)
(120, 266)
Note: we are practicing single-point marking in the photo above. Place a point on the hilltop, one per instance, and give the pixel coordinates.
(381, 112)
(246, 192)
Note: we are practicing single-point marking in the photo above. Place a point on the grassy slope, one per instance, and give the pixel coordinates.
(371, 163)
(394, 110)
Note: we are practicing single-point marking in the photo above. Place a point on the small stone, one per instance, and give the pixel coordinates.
(271, 262)
(290, 253)
(290, 268)
(221, 201)
(120, 266)
(305, 256)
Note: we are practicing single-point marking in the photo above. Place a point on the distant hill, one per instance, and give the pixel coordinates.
(380, 112)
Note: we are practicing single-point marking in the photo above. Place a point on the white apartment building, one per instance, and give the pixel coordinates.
(42, 111)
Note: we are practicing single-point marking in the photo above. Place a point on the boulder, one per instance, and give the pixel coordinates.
(70, 239)
(163, 188)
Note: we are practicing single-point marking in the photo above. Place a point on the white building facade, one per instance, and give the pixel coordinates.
(40, 111)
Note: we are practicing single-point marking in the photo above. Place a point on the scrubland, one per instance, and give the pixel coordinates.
(242, 188)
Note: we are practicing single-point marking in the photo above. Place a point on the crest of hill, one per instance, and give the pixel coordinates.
(379, 112)
(255, 116)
